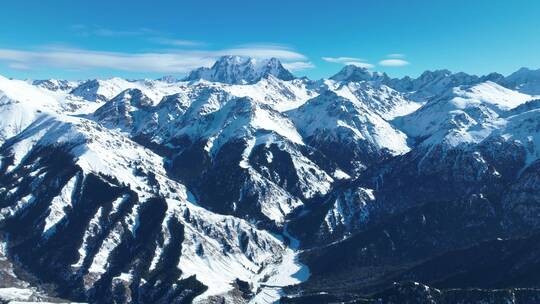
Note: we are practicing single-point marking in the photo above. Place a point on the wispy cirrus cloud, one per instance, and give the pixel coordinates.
(147, 34)
(343, 60)
(91, 30)
(19, 66)
(180, 61)
(361, 64)
(298, 65)
(349, 61)
(183, 56)
(177, 42)
(393, 62)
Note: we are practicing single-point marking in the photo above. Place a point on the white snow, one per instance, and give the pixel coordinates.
(350, 208)
(100, 260)
(524, 128)
(463, 115)
(58, 205)
(268, 111)
(289, 272)
(339, 174)
(379, 99)
(282, 95)
(11, 293)
(345, 117)
(215, 267)
(20, 105)
(9, 211)
(240, 70)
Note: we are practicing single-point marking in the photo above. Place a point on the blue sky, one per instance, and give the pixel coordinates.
(135, 39)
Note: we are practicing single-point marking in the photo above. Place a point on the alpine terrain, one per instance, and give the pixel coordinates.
(242, 183)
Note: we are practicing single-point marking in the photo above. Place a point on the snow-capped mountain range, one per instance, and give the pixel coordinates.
(240, 181)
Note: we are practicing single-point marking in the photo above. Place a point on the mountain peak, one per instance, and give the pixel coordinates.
(135, 96)
(355, 73)
(168, 79)
(234, 69)
(524, 80)
(54, 84)
(524, 72)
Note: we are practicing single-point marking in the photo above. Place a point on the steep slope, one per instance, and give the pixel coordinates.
(206, 131)
(56, 84)
(161, 121)
(119, 111)
(466, 114)
(240, 181)
(20, 105)
(428, 85)
(329, 121)
(112, 224)
(98, 90)
(433, 83)
(471, 176)
(242, 138)
(282, 95)
(378, 98)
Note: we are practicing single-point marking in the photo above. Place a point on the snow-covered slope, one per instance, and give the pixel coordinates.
(119, 110)
(348, 121)
(241, 129)
(523, 128)
(98, 90)
(282, 95)
(20, 105)
(378, 98)
(190, 101)
(239, 118)
(329, 111)
(466, 114)
(433, 83)
(182, 191)
(216, 249)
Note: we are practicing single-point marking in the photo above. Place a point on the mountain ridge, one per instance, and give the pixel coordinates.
(241, 181)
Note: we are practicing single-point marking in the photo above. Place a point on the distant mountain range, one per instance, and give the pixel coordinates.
(243, 184)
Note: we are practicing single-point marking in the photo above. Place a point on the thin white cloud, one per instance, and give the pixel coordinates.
(298, 65)
(349, 61)
(19, 66)
(341, 59)
(361, 64)
(263, 53)
(159, 62)
(148, 34)
(177, 42)
(86, 30)
(393, 62)
(396, 55)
